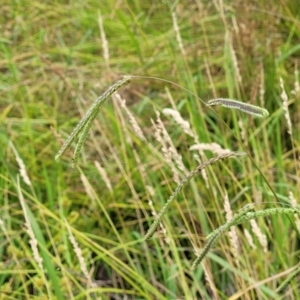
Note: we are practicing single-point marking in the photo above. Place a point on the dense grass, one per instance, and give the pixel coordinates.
(90, 221)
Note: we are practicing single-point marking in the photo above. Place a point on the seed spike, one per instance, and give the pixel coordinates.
(254, 110)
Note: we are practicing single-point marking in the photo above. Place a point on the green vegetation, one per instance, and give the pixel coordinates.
(79, 233)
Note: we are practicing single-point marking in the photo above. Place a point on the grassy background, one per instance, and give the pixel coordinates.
(52, 69)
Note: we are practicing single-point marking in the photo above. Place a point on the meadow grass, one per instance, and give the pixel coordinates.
(79, 233)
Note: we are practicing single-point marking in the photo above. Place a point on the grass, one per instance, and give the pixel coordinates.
(88, 224)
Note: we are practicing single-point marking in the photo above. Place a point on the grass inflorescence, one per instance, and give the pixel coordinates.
(242, 106)
(182, 184)
(242, 216)
(85, 123)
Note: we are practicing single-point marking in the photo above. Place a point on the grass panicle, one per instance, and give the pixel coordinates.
(205, 250)
(88, 118)
(242, 216)
(80, 142)
(256, 111)
(266, 212)
(182, 184)
(216, 234)
(244, 210)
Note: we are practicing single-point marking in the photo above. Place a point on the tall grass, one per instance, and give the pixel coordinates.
(79, 233)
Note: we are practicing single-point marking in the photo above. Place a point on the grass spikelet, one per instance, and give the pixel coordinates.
(170, 153)
(256, 111)
(22, 168)
(285, 106)
(136, 128)
(103, 40)
(213, 147)
(232, 233)
(181, 185)
(79, 255)
(262, 238)
(88, 118)
(177, 31)
(185, 125)
(104, 176)
(249, 239)
(32, 239)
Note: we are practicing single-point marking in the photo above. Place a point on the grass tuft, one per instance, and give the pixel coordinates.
(80, 233)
